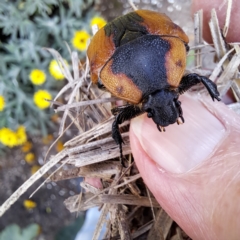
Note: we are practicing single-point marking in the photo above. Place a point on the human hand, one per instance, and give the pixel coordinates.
(220, 7)
(193, 169)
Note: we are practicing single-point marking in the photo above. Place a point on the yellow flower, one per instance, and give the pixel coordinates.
(34, 169)
(29, 204)
(56, 69)
(2, 103)
(40, 97)
(27, 146)
(8, 137)
(55, 118)
(79, 41)
(30, 158)
(99, 21)
(37, 77)
(59, 146)
(21, 135)
(48, 210)
(47, 139)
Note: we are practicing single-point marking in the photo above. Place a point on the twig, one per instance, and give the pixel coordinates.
(132, 5)
(227, 19)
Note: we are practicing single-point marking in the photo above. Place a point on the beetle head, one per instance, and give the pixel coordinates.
(163, 107)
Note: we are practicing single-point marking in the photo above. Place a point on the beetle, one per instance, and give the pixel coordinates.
(140, 57)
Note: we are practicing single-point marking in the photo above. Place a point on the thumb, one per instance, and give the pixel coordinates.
(193, 169)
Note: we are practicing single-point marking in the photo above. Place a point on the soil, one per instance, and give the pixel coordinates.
(50, 212)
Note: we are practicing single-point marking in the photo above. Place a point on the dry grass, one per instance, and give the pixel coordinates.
(127, 208)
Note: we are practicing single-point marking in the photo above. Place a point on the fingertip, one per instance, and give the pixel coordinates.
(194, 199)
(169, 191)
(182, 147)
(221, 9)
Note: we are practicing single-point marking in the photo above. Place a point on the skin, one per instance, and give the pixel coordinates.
(193, 169)
(220, 6)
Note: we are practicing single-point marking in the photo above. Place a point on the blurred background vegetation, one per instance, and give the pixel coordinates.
(28, 73)
(28, 76)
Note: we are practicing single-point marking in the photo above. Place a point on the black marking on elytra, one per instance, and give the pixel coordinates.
(143, 61)
(125, 28)
(130, 36)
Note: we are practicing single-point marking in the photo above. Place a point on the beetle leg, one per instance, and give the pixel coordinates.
(192, 79)
(116, 135)
(123, 114)
(178, 105)
(119, 109)
(100, 84)
(159, 128)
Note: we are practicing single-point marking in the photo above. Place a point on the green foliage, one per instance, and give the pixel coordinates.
(14, 232)
(69, 232)
(26, 26)
(190, 59)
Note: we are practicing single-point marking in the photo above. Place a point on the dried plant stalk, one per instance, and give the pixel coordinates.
(123, 225)
(218, 41)
(128, 200)
(198, 40)
(127, 208)
(99, 170)
(161, 226)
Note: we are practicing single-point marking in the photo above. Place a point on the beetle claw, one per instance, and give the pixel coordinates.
(179, 121)
(161, 129)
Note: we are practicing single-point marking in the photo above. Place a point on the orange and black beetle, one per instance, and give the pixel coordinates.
(141, 57)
